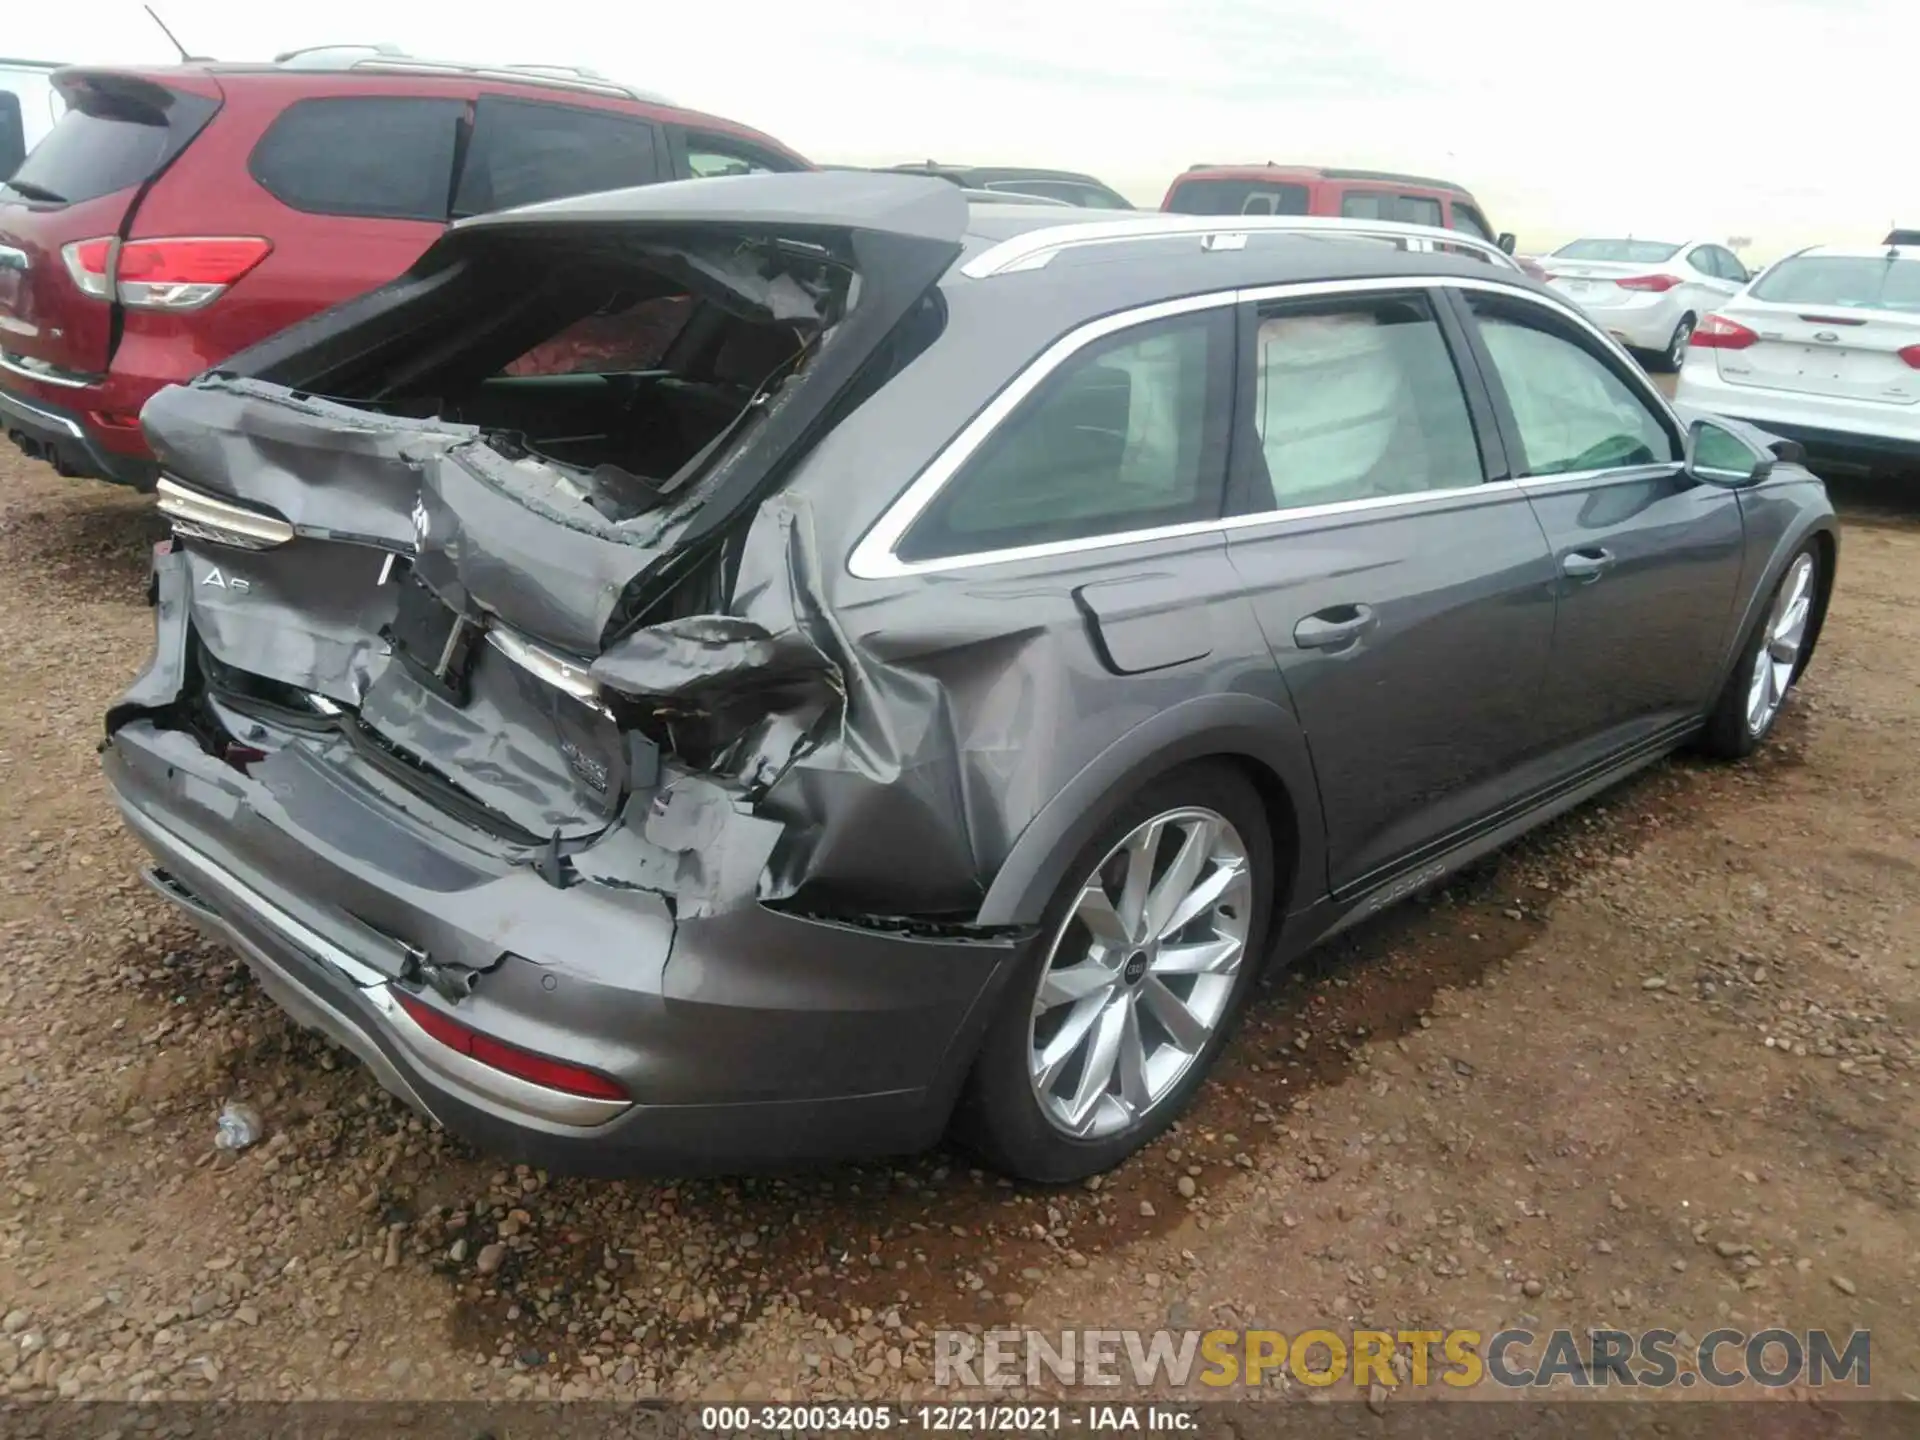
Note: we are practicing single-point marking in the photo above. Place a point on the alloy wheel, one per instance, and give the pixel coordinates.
(1780, 641)
(1677, 347)
(1141, 972)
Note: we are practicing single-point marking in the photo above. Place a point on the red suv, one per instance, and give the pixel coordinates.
(176, 215)
(1310, 190)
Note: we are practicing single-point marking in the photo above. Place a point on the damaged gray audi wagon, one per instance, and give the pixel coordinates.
(783, 667)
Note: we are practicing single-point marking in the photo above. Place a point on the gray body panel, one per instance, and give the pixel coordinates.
(794, 952)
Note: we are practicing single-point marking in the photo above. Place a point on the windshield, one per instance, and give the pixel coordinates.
(1845, 282)
(1631, 252)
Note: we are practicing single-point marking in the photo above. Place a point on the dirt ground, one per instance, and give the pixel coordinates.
(1654, 1066)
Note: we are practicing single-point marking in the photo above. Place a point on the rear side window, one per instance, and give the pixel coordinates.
(1383, 205)
(1843, 282)
(620, 337)
(373, 156)
(13, 134)
(88, 154)
(1466, 218)
(524, 151)
(1119, 438)
(1238, 197)
(713, 155)
(1360, 402)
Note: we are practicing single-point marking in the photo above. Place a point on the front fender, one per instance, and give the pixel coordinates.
(1782, 517)
(1240, 727)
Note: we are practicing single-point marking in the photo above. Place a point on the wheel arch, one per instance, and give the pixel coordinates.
(1259, 738)
(1822, 533)
(1826, 543)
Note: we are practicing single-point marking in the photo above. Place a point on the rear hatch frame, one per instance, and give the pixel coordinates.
(487, 533)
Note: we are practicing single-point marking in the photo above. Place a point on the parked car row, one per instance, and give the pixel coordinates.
(1649, 294)
(169, 216)
(1823, 346)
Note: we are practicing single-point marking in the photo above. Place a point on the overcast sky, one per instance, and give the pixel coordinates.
(1790, 121)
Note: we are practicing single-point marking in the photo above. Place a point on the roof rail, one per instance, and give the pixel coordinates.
(1033, 249)
(1014, 197)
(1334, 173)
(333, 57)
(1396, 177)
(392, 60)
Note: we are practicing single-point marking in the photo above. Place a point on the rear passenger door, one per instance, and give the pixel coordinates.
(525, 151)
(1707, 282)
(1647, 561)
(1407, 601)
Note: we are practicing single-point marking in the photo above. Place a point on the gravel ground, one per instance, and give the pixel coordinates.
(1654, 1066)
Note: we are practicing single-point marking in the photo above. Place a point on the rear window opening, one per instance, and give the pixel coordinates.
(630, 372)
(1843, 282)
(1625, 252)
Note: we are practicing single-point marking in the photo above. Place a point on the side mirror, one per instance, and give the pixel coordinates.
(1717, 456)
(1507, 241)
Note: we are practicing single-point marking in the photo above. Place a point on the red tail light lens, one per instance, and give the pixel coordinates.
(1911, 355)
(1716, 332)
(510, 1059)
(1648, 282)
(176, 273)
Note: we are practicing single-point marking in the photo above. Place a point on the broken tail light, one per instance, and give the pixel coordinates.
(182, 272)
(510, 1059)
(1716, 332)
(202, 517)
(1655, 283)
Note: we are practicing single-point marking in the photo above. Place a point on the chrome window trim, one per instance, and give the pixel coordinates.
(873, 557)
(1035, 248)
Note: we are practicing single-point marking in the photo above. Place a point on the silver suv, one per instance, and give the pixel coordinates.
(754, 669)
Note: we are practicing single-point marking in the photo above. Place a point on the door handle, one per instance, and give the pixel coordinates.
(1333, 628)
(1587, 566)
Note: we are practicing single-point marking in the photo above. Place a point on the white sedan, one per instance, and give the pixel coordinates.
(1648, 294)
(1825, 349)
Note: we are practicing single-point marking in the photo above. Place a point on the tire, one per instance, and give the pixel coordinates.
(1751, 701)
(1675, 355)
(1031, 1108)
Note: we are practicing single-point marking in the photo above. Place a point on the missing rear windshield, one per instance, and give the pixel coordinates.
(630, 368)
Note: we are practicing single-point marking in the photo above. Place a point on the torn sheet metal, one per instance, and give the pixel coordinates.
(799, 763)
(333, 471)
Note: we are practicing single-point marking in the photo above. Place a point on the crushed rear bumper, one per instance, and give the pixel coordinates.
(749, 1039)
